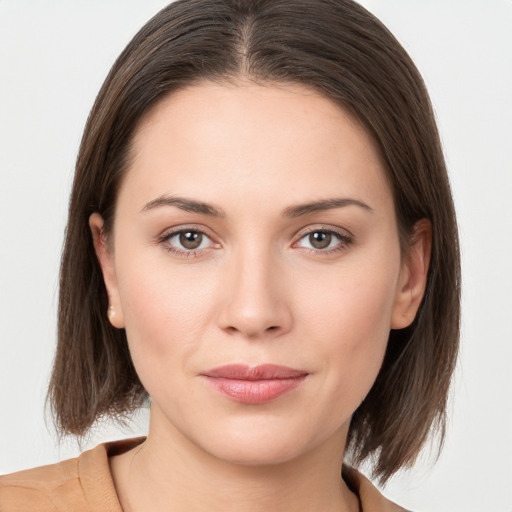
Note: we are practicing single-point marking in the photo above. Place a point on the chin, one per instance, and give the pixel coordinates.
(256, 453)
(253, 444)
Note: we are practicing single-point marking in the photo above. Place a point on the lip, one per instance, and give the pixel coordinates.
(254, 384)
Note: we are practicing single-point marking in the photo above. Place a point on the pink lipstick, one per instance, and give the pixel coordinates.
(254, 384)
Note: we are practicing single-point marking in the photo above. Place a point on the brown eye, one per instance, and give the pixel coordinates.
(324, 241)
(190, 239)
(320, 239)
(187, 242)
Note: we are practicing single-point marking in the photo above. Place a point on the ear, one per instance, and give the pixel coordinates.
(413, 276)
(106, 260)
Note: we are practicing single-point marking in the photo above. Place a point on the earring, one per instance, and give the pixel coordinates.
(111, 312)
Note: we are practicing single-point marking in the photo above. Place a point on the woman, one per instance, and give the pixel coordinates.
(261, 240)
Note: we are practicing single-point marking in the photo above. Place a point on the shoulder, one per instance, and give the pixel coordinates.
(45, 488)
(370, 498)
(80, 484)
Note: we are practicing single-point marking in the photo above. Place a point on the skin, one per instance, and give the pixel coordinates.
(257, 291)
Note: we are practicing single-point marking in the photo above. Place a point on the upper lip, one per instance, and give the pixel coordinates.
(259, 372)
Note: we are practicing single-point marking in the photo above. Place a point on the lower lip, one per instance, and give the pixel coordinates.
(254, 391)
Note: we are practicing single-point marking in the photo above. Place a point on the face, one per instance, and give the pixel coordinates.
(255, 265)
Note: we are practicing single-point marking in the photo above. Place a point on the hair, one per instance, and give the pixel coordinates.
(342, 51)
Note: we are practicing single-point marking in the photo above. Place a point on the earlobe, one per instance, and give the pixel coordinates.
(413, 276)
(106, 261)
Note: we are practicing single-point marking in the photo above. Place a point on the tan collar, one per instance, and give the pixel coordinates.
(370, 498)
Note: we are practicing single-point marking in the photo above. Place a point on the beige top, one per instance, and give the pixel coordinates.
(85, 484)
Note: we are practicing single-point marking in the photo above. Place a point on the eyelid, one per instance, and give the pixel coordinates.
(345, 237)
(341, 232)
(171, 232)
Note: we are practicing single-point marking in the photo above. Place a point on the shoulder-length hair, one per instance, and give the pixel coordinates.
(339, 49)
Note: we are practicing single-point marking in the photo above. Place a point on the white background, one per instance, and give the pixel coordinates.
(54, 56)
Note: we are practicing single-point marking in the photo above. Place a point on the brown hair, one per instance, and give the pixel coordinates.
(341, 50)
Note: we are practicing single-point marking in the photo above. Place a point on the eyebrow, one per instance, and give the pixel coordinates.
(325, 204)
(193, 206)
(188, 205)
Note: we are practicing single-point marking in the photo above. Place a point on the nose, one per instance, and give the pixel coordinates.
(257, 303)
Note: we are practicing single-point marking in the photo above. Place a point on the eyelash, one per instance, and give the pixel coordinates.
(164, 240)
(343, 239)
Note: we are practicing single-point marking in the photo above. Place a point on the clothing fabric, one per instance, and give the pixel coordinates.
(84, 484)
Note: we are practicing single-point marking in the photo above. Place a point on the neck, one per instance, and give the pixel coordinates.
(169, 472)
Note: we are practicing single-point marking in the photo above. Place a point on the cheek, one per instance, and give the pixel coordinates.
(349, 317)
(166, 311)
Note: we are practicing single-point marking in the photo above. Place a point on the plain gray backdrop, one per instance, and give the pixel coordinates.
(54, 55)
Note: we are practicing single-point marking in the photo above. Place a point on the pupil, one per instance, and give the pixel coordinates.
(320, 239)
(191, 239)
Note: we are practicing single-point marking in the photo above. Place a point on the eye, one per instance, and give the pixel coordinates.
(323, 240)
(187, 241)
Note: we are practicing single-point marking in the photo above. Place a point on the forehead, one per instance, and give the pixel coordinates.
(252, 139)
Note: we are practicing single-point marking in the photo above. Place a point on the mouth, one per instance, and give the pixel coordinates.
(254, 384)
